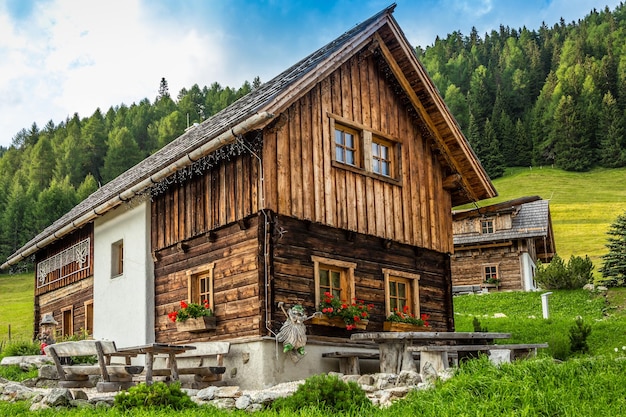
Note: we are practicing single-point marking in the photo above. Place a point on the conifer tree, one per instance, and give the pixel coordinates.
(614, 268)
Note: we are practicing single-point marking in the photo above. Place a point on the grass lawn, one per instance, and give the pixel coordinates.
(16, 306)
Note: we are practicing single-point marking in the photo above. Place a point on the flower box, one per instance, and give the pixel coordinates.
(397, 326)
(337, 322)
(200, 324)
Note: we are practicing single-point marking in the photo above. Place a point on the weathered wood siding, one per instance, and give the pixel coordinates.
(218, 197)
(293, 278)
(71, 295)
(301, 180)
(237, 287)
(467, 266)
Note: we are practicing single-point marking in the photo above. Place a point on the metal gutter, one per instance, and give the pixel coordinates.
(219, 141)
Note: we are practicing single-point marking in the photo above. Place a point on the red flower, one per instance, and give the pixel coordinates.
(364, 314)
(350, 326)
(405, 309)
(172, 315)
(330, 309)
(344, 306)
(183, 304)
(206, 305)
(356, 318)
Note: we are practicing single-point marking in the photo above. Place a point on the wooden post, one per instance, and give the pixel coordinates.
(9, 332)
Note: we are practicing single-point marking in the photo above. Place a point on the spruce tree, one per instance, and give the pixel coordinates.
(614, 268)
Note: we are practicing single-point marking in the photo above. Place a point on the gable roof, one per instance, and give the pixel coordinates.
(530, 219)
(469, 181)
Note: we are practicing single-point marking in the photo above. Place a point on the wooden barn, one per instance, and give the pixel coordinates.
(338, 174)
(497, 246)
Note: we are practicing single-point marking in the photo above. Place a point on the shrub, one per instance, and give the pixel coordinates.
(327, 392)
(157, 395)
(20, 348)
(557, 275)
(477, 326)
(16, 373)
(578, 334)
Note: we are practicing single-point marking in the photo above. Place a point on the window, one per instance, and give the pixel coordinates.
(334, 276)
(89, 317)
(381, 158)
(487, 226)
(490, 273)
(117, 258)
(360, 148)
(401, 289)
(346, 140)
(67, 321)
(200, 284)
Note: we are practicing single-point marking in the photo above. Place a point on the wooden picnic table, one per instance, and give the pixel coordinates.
(395, 357)
(152, 349)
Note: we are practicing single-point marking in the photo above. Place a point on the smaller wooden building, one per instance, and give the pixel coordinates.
(497, 246)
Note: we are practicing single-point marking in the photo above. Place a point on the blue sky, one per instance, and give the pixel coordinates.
(58, 57)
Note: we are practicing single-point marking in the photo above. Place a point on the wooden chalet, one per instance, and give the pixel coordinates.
(497, 246)
(340, 175)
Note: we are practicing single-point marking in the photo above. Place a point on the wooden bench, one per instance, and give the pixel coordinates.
(205, 363)
(437, 355)
(113, 377)
(349, 361)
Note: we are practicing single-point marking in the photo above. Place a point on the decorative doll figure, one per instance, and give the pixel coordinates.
(46, 331)
(293, 331)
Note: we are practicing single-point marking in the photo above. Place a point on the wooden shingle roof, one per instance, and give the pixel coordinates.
(380, 31)
(530, 220)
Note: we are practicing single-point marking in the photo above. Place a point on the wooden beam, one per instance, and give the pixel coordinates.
(452, 182)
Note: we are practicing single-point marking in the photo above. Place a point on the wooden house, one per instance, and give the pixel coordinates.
(339, 175)
(497, 246)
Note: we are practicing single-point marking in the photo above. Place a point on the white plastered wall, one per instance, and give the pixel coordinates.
(528, 272)
(124, 304)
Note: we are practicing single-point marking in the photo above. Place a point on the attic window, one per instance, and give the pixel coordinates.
(363, 150)
(486, 226)
(346, 145)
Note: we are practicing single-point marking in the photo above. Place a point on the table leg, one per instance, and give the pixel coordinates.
(395, 358)
(149, 361)
(173, 366)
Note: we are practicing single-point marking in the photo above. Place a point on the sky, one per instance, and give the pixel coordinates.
(60, 57)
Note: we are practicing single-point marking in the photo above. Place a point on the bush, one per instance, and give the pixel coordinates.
(326, 392)
(559, 276)
(16, 373)
(20, 348)
(157, 395)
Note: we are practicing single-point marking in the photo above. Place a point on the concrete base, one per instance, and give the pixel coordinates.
(261, 364)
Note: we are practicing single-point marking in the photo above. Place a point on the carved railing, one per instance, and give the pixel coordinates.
(53, 268)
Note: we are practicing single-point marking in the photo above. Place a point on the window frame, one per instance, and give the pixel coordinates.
(206, 271)
(117, 258)
(391, 156)
(88, 305)
(412, 278)
(347, 276)
(356, 137)
(365, 138)
(485, 274)
(487, 226)
(64, 311)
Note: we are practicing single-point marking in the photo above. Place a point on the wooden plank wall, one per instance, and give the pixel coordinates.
(300, 180)
(219, 197)
(72, 295)
(237, 286)
(293, 280)
(467, 266)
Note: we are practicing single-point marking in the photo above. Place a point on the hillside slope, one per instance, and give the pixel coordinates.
(583, 205)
